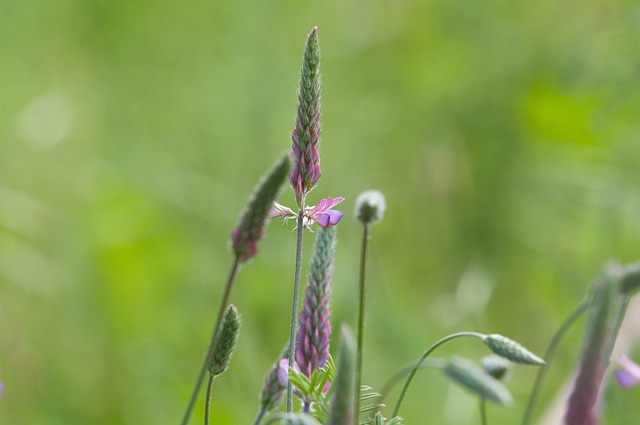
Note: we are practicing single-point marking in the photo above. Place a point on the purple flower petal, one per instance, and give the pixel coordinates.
(283, 372)
(626, 380)
(327, 387)
(323, 219)
(280, 211)
(334, 216)
(629, 376)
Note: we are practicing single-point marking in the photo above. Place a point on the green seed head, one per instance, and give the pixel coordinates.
(227, 340)
(370, 207)
(496, 366)
(509, 349)
(476, 380)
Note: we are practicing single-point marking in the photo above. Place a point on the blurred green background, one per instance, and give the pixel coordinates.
(504, 135)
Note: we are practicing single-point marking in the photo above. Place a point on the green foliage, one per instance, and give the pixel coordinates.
(504, 135)
(368, 404)
(311, 389)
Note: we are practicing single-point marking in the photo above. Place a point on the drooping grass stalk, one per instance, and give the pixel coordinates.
(548, 356)
(294, 303)
(415, 368)
(244, 243)
(402, 372)
(213, 341)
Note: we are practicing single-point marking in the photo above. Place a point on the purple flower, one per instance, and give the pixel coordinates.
(629, 375)
(312, 345)
(322, 213)
(283, 372)
(305, 139)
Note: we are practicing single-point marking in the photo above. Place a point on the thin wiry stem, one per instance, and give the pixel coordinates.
(296, 295)
(261, 413)
(548, 356)
(415, 368)
(483, 411)
(207, 408)
(402, 372)
(363, 264)
(213, 342)
(622, 311)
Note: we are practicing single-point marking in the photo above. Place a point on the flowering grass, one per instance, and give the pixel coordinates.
(333, 394)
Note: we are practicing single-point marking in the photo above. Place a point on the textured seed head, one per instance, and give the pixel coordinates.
(312, 346)
(245, 237)
(273, 389)
(370, 207)
(227, 340)
(475, 379)
(496, 366)
(306, 135)
(342, 407)
(509, 349)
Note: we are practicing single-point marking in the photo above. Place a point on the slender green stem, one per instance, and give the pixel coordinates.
(207, 408)
(400, 373)
(548, 356)
(294, 306)
(213, 342)
(415, 368)
(260, 415)
(616, 327)
(359, 347)
(483, 411)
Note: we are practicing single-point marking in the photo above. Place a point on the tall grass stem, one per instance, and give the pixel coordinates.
(296, 296)
(483, 411)
(548, 356)
(214, 340)
(207, 408)
(361, 304)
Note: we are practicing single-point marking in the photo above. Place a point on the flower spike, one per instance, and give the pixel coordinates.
(312, 347)
(245, 237)
(306, 135)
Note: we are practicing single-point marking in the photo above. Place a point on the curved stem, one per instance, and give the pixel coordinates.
(207, 408)
(548, 356)
(359, 347)
(213, 342)
(393, 379)
(294, 307)
(415, 368)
